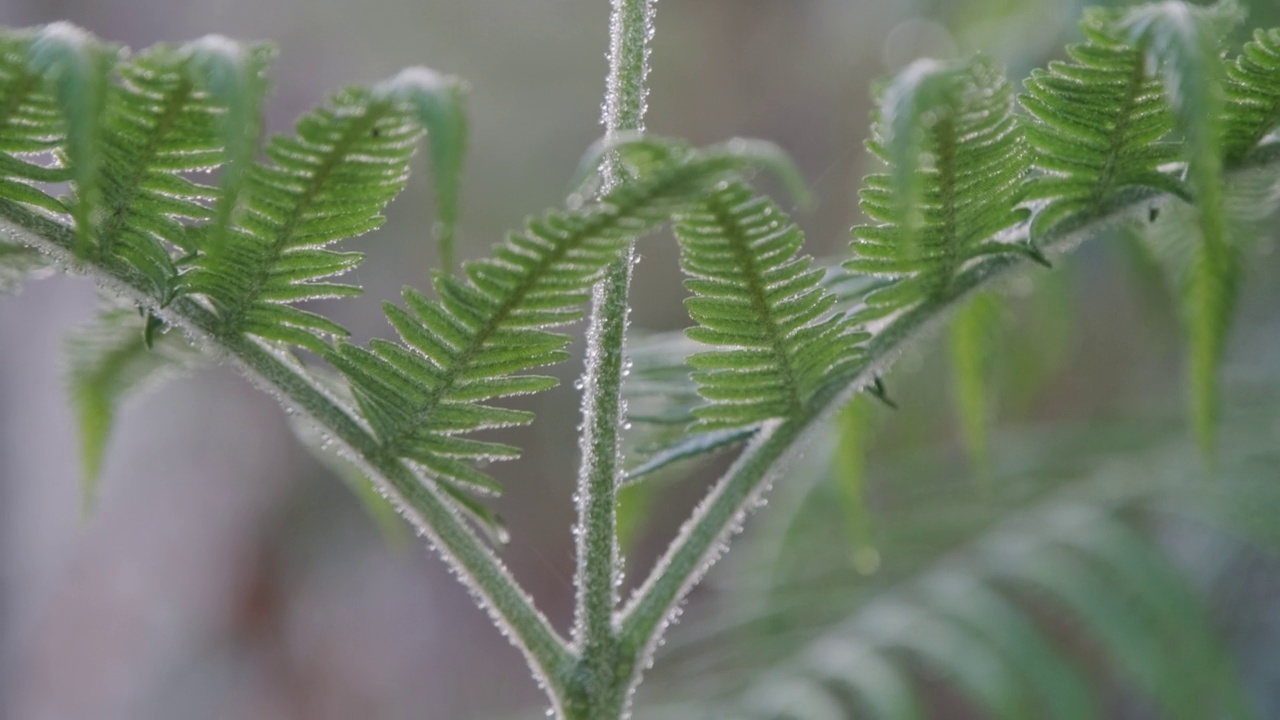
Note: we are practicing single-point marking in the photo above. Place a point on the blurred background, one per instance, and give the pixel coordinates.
(225, 573)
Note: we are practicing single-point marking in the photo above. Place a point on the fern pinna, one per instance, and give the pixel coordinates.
(1100, 127)
(957, 163)
(761, 303)
(330, 182)
(1253, 97)
(30, 124)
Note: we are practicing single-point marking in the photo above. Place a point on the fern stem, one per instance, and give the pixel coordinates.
(601, 686)
(705, 535)
(503, 598)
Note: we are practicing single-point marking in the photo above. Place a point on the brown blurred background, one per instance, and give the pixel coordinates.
(225, 573)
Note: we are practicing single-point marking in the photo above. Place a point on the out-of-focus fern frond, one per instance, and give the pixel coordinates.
(1011, 624)
(971, 335)
(234, 76)
(1183, 40)
(115, 357)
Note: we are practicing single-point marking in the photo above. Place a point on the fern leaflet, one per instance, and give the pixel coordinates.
(330, 182)
(76, 69)
(1097, 128)
(469, 346)
(439, 103)
(163, 127)
(234, 76)
(762, 306)
(1253, 94)
(29, 125)
(970, 165)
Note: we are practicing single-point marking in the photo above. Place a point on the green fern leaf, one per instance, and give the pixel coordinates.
(1183, 39)
(970, 338)
(330, 182)
(18, 264)
(234, 76)
(762, 305)
(30, 125)
(109, 360)
(439, 103)
(470, 346)
(967, 192)
(1253, 95)
(163, 127)
(1097, 128)
(855, 424)
(76, 69)
(661, 394)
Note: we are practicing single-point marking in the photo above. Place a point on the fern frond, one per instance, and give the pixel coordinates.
(114, 357)
(1097, 128)
(470, 346)
(761, 305)
(330, 182)
(969, 165)
(1253, 95)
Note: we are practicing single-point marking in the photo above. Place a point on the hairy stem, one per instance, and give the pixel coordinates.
(502, 597)
(600, 688)
(704, 536)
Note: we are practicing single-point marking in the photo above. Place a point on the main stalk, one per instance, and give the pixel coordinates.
(599, 687)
